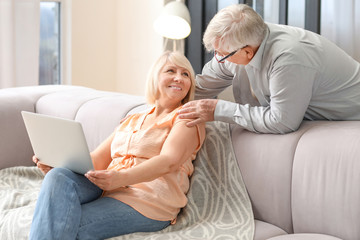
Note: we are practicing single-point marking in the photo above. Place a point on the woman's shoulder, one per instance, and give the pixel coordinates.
(174, 114)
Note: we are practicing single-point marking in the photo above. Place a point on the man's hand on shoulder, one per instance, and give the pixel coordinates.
(199, 111)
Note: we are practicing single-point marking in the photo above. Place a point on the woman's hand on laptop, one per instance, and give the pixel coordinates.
(43, 168)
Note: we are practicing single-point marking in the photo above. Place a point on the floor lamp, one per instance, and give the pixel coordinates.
(174, 23)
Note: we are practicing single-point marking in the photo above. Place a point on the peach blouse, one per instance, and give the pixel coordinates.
(162, 198)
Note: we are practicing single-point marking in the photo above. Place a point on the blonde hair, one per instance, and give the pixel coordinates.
(176, 58)
(234, 27)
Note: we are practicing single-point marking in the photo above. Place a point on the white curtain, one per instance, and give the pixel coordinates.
(19, 42)
(340, 22)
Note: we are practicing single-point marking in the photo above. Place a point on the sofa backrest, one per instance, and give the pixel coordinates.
(306, 181)
(98, 111)
(15, 146)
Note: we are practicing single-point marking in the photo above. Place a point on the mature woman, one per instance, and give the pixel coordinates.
(141, 171)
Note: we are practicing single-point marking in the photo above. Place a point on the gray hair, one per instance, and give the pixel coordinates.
(234, 27)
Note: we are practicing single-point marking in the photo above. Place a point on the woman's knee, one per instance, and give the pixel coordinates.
(63, 180)
(58, 176)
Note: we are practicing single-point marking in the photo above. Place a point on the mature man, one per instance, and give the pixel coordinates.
(280, 75)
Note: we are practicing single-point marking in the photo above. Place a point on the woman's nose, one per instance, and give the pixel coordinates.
(178, 78)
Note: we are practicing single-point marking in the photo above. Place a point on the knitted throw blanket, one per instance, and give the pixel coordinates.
(218, 207)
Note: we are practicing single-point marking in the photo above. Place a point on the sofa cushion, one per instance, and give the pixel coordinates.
(105, 114)
(264, 231)
(99, 112)
(15, 148)
(304, 236)
(71, 102)
(65, 104)
(326, 177)
(266, 162)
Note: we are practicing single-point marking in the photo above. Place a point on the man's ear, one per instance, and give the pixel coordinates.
(250, 52)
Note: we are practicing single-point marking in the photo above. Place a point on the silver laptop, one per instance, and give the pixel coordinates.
(58, 142)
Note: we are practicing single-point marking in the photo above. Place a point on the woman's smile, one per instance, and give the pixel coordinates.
(176, 87)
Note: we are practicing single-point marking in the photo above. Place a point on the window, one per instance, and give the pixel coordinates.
(49, 62)
(55, 42)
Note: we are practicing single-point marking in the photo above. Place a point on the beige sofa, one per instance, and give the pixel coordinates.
(303, 185)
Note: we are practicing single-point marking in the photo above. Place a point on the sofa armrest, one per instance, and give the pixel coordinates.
(15, 146)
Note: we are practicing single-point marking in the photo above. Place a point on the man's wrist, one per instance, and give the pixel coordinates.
(224, 111)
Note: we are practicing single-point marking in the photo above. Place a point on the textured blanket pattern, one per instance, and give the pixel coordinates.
(218, 207)
(19, 187)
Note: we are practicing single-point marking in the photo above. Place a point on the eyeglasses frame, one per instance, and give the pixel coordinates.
(222, 60)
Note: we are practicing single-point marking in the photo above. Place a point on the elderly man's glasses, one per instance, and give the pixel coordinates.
(222, 60)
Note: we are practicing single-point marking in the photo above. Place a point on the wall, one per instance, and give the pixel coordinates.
(113, 43)
(138, 43)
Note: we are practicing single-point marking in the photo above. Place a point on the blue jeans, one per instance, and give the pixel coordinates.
(70, 207)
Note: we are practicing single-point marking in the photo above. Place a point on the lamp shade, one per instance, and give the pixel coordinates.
(174, 21)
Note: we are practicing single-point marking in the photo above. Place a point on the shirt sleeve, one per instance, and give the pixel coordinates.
(200, 128)
(290, 89)
(214, 79)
